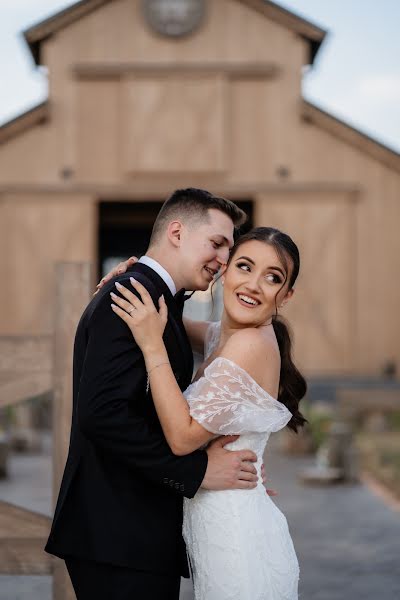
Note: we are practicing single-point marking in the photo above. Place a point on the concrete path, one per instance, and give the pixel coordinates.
(347, 540)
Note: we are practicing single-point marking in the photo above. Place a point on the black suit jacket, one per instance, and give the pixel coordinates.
(122, 491)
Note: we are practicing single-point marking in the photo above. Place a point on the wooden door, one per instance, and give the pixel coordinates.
(322, 311)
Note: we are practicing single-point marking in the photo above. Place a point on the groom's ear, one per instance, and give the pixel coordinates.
(174, 233)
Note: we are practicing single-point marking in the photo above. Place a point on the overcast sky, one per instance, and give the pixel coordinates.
(356, 76)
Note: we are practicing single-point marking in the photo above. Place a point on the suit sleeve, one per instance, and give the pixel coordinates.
(113, 374)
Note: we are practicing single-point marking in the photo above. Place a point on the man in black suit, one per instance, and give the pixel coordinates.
(118, 517)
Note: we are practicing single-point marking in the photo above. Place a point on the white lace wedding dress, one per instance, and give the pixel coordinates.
(238, 540)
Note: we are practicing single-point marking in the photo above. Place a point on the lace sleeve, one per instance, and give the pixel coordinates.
(227, 401)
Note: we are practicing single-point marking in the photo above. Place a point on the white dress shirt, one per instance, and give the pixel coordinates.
(163, 273)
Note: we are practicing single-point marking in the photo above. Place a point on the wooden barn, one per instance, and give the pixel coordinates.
(148, 96)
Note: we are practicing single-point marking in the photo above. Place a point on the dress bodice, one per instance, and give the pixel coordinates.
(226, 400)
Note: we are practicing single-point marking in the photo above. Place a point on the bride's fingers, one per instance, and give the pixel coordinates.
(144, 294)
(121, 313)
(124, 304)
(130, 296)
(163, 312)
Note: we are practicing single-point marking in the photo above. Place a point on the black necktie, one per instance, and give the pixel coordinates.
(180, 299)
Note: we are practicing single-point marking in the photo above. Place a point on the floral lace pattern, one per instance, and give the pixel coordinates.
(226, 400)
(238, 541)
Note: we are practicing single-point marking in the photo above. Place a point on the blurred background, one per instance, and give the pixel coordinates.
(291, 109)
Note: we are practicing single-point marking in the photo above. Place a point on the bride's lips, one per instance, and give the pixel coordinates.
(247, 300)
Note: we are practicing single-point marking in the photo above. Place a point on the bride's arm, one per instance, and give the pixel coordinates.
(196, 331)
(183, 434)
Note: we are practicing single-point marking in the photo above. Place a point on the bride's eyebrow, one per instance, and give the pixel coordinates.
(278, 269)
(246, 258)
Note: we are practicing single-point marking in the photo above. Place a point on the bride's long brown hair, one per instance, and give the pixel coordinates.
(292, 385)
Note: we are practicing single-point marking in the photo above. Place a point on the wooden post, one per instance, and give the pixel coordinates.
(72, 295)
(25, 438)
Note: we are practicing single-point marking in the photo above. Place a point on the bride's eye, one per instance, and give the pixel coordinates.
(243, 266)
(274, 278)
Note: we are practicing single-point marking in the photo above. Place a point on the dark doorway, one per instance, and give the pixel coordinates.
(125, 229)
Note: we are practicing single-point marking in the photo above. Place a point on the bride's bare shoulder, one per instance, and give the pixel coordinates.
(254, 350)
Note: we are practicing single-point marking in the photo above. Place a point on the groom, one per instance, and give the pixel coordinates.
(118, 518)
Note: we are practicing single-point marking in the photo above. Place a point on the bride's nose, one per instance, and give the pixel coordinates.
(253, 284)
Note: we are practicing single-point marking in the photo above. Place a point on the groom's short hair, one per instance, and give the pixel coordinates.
(191, 205)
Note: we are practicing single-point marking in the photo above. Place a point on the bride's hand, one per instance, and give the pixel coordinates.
(121, 267)
(141, 316)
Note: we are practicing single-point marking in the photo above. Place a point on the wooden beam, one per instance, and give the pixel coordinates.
(25, 367)
(24, 556)
(15, 389)
(233, 71)
(23, 535)
(21, 354)
(156, 187)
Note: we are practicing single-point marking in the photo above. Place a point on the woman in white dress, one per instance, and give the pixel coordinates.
(237, 540)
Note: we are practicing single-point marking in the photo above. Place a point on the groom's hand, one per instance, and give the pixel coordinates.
(228, 469)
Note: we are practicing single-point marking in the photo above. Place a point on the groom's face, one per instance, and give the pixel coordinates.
(205, 249)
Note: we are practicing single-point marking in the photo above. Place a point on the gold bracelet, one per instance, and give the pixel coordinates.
(166, 362)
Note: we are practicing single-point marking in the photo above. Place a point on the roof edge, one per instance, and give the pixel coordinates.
(34, 116)
(349, 134)
(41, 31)
(36, 34)
(314, 34)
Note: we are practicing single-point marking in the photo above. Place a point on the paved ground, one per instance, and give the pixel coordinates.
(347, 540)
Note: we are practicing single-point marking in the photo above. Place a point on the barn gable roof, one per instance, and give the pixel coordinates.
(38, 33)
(349, 134)
(315, 35)
(34, 116)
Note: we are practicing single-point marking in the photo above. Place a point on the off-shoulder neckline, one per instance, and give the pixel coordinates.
(234, 364)
(217, 325)
(257, 385)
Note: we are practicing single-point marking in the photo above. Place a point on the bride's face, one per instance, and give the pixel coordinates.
(253, 284)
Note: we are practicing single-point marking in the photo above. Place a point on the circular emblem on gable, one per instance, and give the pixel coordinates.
(174, 17)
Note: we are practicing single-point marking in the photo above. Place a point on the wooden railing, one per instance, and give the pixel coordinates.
(30, 366)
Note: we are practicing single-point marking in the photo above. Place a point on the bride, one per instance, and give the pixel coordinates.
(238, 540)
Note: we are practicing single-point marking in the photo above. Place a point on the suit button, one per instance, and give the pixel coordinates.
(171, 482)
(166, 480)
(182, 488)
